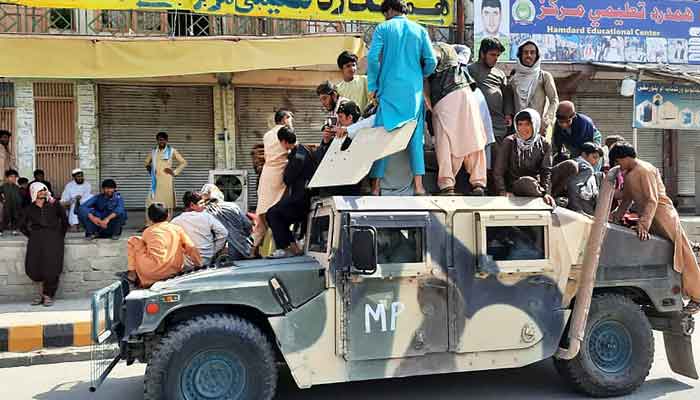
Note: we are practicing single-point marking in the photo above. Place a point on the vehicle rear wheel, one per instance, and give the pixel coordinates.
(617, 349)
(212, 357)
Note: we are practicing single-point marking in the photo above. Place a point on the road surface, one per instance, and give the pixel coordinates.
(69, 381)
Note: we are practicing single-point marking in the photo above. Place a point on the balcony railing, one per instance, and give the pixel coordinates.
(31, 20)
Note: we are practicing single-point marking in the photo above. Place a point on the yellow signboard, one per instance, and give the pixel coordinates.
(429, 12)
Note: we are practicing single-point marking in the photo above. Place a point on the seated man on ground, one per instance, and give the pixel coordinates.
(294, 206)
(161, 252)
(237, 222)
(524, 162)
(75, 192)
(103, 215)
(207, 233)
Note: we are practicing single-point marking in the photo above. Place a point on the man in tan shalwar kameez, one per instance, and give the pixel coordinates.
(644, 188)
(271, 188)
(159, 164)
(7, 158)
(460, 136)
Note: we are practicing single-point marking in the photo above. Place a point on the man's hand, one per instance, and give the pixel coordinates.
(341, 132)
(169, 171)
(549, 200)
(372, 96)
(328, 134)
(642, 232)
(509, 120)
(428, 104)
(78, 198)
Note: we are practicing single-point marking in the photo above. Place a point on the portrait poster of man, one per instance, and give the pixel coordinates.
(492, 19)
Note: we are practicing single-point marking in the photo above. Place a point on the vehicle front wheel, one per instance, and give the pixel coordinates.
(212, 357)
(617, 349)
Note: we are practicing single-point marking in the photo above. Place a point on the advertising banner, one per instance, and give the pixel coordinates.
(666, 106)
(429, 12)
(649, 31)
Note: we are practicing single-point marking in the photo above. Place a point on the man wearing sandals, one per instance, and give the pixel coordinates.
(644, 188)
(45, 223)
(460, 136)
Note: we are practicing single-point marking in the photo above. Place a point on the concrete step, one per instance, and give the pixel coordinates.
(25, 328)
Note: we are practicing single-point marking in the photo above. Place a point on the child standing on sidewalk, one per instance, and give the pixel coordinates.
(11, 202)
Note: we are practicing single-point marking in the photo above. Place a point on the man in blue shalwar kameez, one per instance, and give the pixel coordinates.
(400, 57)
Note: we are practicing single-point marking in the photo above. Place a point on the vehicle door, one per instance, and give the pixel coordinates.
(506, 294)
(399, 309)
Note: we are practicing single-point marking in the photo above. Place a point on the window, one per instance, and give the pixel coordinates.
(399, 245)
(61, 19)
(7, 95)
(320, 229)
(512, 243)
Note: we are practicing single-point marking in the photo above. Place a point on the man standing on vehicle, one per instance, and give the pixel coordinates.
(571, 131)
(330, 100)
(532, 87)
(271, 188)
(353, 86)
(293, 208)
(159, 164)
(644, 187)
(399, 58)
(460, 137)
(494, 86)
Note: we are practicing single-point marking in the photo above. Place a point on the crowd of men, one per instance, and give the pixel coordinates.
(493, 126)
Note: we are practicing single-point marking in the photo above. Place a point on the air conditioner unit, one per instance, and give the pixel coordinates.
(233, 183)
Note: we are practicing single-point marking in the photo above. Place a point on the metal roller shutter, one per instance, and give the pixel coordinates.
(687, 141)
(612, 115)
(255, 108)
(130, 116)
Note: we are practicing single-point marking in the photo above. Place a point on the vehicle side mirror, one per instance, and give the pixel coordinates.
(364, 250)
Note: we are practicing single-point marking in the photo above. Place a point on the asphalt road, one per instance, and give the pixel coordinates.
(70, 381)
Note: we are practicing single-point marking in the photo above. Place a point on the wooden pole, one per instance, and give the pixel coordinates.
(460, 22)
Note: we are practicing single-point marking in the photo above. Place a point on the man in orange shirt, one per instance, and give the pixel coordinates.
(160, 253)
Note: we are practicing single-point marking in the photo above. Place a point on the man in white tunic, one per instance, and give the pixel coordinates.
(160, 166)
(76, 191)
(206, 232)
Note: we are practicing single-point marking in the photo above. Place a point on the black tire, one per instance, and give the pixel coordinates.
(617, 350)
(212, 356)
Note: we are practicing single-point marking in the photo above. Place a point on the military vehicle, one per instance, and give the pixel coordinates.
(393, 287)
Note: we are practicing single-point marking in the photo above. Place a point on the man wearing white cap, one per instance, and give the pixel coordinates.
(75, 192)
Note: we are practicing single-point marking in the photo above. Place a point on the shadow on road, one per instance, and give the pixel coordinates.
(114, 388)
(658, 388)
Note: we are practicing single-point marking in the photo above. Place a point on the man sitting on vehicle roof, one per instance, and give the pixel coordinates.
(524, 162)
(160, 253)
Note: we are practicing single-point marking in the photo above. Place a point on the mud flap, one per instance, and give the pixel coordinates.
(679, 346)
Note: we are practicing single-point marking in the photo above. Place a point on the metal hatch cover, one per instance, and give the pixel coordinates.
(348, 167)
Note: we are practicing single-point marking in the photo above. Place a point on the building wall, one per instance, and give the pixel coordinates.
(220, 123)
(24, 112)
(87, 133)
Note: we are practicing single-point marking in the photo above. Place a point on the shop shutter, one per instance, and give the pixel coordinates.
(255, 108)
(130, 117)
(612, 114)
(687, 142)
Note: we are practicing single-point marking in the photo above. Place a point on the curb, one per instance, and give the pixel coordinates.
(21, 339)
(53, 356)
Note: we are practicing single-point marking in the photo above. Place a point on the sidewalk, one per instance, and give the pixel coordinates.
(37, 335)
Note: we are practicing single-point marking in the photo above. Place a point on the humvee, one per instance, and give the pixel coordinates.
(403, 286)
(393, 287)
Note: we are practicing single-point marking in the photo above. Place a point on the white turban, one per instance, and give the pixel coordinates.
(212, 191)
(76, 171)
(35, 188)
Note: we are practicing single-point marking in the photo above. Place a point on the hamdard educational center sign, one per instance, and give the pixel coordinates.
(664, 31)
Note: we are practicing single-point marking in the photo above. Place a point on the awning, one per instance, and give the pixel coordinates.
(101, 58)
